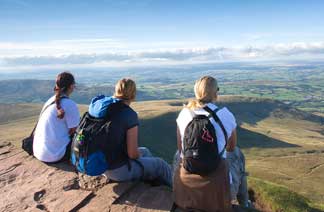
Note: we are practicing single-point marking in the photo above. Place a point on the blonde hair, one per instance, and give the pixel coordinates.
(206, 89)
(125, 89)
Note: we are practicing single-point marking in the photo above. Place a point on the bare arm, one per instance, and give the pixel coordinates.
(132, 143)
(232, 142)
(179, 139)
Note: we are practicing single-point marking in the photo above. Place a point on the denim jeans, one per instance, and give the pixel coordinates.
(154, 169)
(239, 187)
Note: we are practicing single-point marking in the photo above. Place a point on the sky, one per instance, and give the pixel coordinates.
(79, 33)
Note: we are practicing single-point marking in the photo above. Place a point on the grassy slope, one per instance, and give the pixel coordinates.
(279, 198)
(282, 145)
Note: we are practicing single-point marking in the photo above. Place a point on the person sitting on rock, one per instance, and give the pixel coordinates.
(135, 163)
(201, 180)
(57, 123)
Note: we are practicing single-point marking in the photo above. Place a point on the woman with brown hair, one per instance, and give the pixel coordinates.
(209, 191)
(58, 121)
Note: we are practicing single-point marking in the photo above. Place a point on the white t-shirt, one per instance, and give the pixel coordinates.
(52, 134)
(226, 117)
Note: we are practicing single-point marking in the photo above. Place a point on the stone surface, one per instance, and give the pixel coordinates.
(27, 184)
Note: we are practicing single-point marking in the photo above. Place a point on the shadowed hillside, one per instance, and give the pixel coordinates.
(250, 114)
(152, 134)
(10, 113)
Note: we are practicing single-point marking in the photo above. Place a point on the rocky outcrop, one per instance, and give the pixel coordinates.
(27, 184)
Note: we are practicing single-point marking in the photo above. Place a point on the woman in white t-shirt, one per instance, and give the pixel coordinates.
(208, 192)
(58, 120)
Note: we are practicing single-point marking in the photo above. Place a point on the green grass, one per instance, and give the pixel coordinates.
(279, 198)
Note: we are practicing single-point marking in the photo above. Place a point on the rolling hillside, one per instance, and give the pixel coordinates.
(37, 91)
(282, 145)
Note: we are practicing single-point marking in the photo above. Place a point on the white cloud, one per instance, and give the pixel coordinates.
(110, 52)
(59, 47)
(286, 50)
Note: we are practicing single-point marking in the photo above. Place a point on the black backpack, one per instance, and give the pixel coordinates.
(201, 155)
(93, 149)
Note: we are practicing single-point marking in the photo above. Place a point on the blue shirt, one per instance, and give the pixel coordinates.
(121, 122)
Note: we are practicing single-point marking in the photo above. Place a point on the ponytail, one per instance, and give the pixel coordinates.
(63, 82)
(60, 111)
(193, 104)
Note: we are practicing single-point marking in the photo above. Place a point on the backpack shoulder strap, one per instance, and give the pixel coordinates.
(47, 106)
(213, 114)
(114, 109)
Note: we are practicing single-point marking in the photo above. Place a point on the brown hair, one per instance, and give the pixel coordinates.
(206, 89)
(125, 89)
(63, 82)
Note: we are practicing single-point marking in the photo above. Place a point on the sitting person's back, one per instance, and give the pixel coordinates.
(120, 118)
(126, 160)
(199, 184)
(58, 121)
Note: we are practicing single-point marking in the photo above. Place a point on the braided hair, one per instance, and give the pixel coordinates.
(63, 82)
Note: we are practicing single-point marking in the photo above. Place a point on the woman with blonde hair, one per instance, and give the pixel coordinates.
(129, 162)
(204, 133)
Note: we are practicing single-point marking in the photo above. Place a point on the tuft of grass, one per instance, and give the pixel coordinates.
(279, 198)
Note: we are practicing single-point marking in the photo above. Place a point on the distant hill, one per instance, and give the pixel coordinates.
(283, 145)
(299, 84)
(36, 91)
(22, 91)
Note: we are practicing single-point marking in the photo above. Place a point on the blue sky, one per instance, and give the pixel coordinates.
(106, 32)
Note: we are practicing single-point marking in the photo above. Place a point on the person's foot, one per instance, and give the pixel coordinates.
(107, 179)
